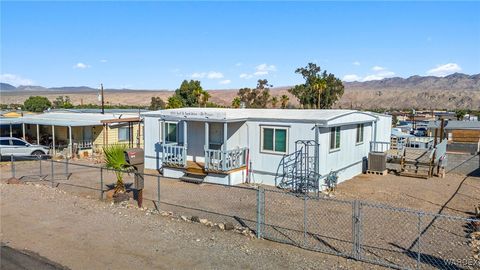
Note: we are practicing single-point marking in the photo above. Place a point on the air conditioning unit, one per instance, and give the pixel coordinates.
(377, 161)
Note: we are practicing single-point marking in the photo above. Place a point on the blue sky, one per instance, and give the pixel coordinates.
(155, 45)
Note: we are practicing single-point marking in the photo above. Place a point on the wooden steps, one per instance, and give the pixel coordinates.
(195, 168)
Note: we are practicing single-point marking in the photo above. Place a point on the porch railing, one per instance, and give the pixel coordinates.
(174, 155)
(379, 146)
(84, 144)
(219, 160)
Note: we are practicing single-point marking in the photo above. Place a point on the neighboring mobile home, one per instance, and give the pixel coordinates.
(233, 146)
(69, 130)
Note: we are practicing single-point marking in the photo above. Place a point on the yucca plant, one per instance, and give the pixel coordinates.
(115, 160)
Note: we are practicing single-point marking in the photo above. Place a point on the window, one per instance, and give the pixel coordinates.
(171, 132)
(334, 138)
(274, 139)
(359, 133)
(4, 142)
(123, 134)
(18, 143)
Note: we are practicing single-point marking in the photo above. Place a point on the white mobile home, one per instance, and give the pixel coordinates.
(233, 146)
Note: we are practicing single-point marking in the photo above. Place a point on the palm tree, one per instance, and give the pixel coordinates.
(115, 160)
(236, 102)
(319, 86)
(284, 100)
(274, 101)
(205, 97)
(197, 92)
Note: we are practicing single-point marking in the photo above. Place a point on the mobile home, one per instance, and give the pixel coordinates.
(233, 146)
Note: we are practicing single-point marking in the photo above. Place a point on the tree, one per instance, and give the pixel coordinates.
(284, 101)
(321, 89)
(205, 97)
(236, 102)
(189, 93)
(37, 104)
(274, 101)
(256, 98)
(174, 102)
(62, 102)
(115, 160)
(156, 103)
(459, 114)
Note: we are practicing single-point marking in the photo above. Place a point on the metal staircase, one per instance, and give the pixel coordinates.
(297, 170)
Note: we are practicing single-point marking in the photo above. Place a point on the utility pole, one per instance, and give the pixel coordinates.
(102, 98)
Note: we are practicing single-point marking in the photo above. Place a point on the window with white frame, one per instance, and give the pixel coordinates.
(335, 138)
(123, 134)
(359, 133)
(171, 132)
(274, 139)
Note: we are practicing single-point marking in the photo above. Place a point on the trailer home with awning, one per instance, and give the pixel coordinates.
(266, 146)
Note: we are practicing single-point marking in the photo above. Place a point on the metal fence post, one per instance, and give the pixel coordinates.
(260, 211)
(40, 167)
(355, 229)
(52, 171)
(12, 161)
(158, 192)
(419, 228)
(101, 183)
(305, 220)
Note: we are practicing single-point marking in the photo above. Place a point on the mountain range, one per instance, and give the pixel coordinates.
(450, 92)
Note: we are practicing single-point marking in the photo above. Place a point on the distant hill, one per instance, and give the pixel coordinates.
(456, 81)
(454, 91)
(7, 87)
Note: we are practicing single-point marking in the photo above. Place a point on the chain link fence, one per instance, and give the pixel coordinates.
(376, 233)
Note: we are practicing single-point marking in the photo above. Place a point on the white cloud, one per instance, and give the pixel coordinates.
(103, 61)
(225, 82)
(264, 69)
(260, 70)
(15, 80)
(356, 63)
(81, 65)
(379, 76)
(378, 68)
(245, 76)
(208, 75)
(351, 78)
(239, 64)
(444, 70)
(198, 75)
(215, 75)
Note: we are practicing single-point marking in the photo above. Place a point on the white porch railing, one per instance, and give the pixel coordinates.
(379, 146)
(174, 155)
(219, 160)
(84, 144)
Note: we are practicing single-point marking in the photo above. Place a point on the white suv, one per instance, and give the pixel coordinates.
(20, 148)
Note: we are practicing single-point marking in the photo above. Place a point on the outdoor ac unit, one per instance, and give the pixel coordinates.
(377, 161)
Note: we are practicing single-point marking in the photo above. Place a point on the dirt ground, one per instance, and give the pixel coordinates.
(386, 233)
(82, 233)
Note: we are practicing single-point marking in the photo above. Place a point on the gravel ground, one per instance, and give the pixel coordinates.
(82, 233)
(386, 233)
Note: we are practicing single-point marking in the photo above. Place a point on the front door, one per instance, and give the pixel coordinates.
(215, 136)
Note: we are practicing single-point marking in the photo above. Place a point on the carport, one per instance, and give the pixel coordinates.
(53, 120)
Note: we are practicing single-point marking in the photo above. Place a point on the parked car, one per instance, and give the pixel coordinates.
(20, 148)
